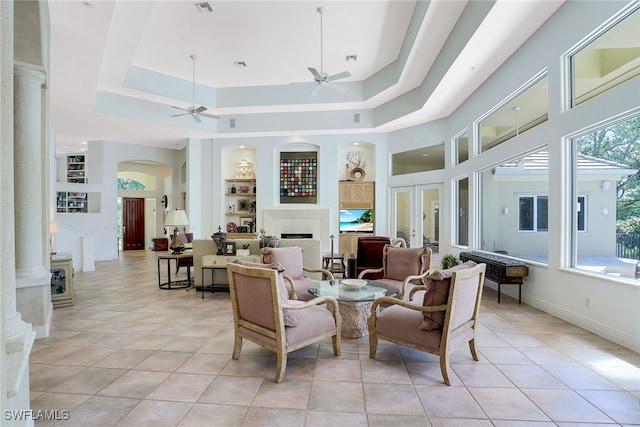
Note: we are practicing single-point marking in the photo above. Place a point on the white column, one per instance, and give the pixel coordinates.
(17, 336)
(28, 173)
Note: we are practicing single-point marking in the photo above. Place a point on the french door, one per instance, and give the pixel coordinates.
(415, 215)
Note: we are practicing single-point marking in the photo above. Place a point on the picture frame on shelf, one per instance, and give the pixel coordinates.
(246, 221)
(243, 205)
(230, 248)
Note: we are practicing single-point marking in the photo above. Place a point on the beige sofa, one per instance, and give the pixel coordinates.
(311, 256)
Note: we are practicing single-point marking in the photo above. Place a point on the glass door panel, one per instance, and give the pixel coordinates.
(401, 208)
(415, 215)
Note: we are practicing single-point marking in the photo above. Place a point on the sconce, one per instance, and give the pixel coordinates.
(505, 210)
(605, 185)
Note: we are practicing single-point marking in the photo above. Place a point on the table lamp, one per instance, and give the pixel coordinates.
(177, 218)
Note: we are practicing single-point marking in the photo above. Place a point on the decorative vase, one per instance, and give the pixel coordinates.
(269, 242)
(219, 238)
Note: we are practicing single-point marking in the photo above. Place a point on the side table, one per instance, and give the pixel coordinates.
(335, 264)
(176, 284)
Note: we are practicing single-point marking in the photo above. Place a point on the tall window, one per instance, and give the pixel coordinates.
(606, 217)
(515, 207)
(461, 144)
(462, 210)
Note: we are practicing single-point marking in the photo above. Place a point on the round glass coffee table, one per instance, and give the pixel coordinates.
(354, 303)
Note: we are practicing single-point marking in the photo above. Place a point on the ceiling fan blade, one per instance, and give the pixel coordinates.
(316, 89)
(339, 76)
(200, 109)
(180, 108)
(197, 118)
(209, 116)
(315, 73)
(178, 115)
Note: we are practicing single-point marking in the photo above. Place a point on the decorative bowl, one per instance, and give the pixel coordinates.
(353, 283)
(244, 188)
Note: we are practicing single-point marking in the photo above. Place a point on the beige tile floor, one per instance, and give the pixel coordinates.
(130, 354)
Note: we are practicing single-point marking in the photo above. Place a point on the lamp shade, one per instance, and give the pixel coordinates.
(177, 218)
(53, 227)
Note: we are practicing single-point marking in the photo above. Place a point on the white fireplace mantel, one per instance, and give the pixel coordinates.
(312, 220)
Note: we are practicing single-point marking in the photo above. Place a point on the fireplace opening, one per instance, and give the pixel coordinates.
(296, 236)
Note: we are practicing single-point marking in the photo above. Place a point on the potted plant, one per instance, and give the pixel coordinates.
(449, 261)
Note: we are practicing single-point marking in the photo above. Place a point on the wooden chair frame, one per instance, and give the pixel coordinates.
(279, 335)
(448, 333)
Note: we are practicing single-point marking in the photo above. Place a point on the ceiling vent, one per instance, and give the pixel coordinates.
(203, 7)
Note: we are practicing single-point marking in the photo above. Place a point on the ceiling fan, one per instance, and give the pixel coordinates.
(195, 112)
(321, 78)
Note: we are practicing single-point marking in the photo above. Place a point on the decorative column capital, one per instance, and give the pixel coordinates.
(24, 69)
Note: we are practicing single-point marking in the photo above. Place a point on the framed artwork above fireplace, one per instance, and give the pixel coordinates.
(299, 177)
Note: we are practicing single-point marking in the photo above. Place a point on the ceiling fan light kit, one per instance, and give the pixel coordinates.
(195, 112)
(321, 78)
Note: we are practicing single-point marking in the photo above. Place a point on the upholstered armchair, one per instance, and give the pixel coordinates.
(402, 268)
(446, 319)
(369, 254)
(263, 314)
(291, 260)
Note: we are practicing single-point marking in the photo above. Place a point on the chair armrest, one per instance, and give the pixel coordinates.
(292, 286)
(410, 278)
(370, 270)
(327, 273)
(417, 289)
(396, 301)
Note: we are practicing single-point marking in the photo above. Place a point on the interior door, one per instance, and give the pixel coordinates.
(132, 223)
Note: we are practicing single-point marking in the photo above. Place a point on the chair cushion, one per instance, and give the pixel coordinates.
(438, 282)
(402, 262)
(289, 257)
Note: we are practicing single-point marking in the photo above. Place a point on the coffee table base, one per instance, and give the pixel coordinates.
(354, 318)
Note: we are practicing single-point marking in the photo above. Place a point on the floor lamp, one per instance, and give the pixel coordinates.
(177, 218)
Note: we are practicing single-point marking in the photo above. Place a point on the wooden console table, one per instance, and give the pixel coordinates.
(219, 262)
(502, 270)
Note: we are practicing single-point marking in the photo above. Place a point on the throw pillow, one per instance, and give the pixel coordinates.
(437, 293)
(402, 262)
(290, 258)
(283, 289)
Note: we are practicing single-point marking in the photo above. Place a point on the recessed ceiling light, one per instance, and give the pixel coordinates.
(203, 7)
(84, 142)
(240, 64)
(426, 155)
(351, 58)
(355, 143)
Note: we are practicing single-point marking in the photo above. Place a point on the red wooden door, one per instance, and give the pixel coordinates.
(133, 223)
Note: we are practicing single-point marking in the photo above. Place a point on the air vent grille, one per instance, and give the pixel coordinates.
(203, 7)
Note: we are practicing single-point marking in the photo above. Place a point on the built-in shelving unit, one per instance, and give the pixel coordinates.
(240, 196)
(76, 169)
(71, 202)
